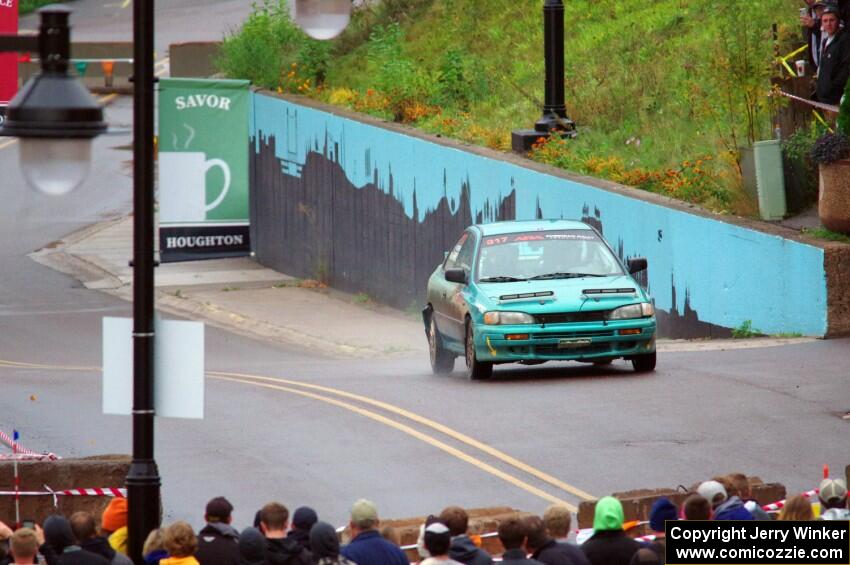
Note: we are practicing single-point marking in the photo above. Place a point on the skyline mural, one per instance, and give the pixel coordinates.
(372, 210)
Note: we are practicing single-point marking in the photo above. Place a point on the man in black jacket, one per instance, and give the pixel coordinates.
(85, 531)
(280, 550)
(512, 536)
(218, 541)
(462, 549)
(545, 549)
(834, 69)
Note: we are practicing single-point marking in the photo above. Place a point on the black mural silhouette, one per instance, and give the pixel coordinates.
(357, 239)
(360, 239)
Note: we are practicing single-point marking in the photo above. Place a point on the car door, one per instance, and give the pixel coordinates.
(444, 293)
(456, 299)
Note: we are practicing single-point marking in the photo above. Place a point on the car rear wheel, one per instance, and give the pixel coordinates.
(644, 363)
(476, 370)
(442, 360)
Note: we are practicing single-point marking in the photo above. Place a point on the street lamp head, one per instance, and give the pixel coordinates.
(54, 115)
(321, 19)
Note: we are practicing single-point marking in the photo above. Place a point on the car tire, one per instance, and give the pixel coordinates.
(644, 363)
(476, 370)
(442, 360)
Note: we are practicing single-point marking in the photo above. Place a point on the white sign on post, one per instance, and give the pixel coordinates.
(178, 368)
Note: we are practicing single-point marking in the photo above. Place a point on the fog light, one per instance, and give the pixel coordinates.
(516, 337)
(635, 331)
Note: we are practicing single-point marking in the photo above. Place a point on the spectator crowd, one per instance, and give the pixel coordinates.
(275, 539)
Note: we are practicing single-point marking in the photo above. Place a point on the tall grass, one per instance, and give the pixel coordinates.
(655, 87)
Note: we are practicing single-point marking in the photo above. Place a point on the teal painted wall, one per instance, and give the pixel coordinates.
(704, 273)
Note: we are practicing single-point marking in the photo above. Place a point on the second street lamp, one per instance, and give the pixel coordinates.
(54, 116)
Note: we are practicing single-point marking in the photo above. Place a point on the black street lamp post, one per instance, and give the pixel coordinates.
(143, 481)
(554, 120)
(54, 116)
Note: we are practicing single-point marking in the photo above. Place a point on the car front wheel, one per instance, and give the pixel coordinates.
(476, 370)
(442, 360)
(644, 363)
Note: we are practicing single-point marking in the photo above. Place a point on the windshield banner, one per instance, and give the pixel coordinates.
(203, 168)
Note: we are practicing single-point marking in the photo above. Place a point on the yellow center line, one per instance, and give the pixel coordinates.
(8, 143)
(125, 4)
(276, 383)
(412, 432)
(493, 452)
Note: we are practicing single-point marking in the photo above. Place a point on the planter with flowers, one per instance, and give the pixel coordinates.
(832, 154)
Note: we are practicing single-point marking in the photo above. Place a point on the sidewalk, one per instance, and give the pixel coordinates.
(242, 296)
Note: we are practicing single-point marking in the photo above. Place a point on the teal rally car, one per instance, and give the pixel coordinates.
(535, 291)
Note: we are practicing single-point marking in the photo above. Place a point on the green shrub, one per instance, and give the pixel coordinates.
(394, 74)
(272, 52)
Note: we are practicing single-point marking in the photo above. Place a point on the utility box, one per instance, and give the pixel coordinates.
(770, 179)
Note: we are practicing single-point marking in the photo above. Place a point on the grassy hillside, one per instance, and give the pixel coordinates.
(663, 92)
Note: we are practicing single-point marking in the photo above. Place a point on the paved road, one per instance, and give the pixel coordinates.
(177, 21)
(571, 429)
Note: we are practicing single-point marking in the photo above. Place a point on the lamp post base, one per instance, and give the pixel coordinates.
(522, 140)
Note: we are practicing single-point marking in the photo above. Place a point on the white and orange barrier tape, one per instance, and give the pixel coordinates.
(21, 453)
(780, 504)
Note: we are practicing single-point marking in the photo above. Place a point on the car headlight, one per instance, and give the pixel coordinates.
(642, 310)
(507, 318)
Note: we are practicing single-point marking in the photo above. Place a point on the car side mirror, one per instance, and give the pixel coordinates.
(457, 276)
(637, 264)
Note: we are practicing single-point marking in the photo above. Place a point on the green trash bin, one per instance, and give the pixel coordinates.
(770, 179)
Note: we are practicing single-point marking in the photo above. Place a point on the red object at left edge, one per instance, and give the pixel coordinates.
(8, 61)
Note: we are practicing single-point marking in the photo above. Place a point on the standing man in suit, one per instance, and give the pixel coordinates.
(834, 68)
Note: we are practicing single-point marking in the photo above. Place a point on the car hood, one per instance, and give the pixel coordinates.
(568, 295)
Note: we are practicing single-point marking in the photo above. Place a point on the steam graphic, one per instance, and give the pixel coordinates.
(189, 139)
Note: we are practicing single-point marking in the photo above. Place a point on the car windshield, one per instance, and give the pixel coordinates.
(545, 255)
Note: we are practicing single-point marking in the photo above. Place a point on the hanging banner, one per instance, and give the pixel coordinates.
(8, 61)
(203, 168)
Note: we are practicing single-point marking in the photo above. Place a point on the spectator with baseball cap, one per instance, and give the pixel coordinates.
(218, 541)
(833, 500)
(367, 546)
(609, 544)
(302, 520)
(462, 549)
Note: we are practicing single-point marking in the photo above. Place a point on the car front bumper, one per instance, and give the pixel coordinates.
(557, 342)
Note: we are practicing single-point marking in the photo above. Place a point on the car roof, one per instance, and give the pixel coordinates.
(518, 226)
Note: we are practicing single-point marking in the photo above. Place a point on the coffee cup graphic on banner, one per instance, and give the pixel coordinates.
(183, 186)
